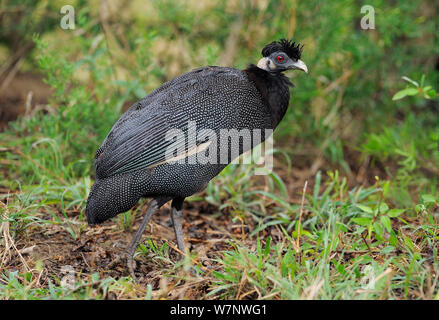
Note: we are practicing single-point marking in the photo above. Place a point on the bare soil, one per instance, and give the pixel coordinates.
(103, 248)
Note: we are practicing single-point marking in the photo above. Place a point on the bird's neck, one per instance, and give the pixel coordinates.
(274, 89)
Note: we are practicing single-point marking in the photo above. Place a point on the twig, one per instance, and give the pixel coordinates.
(365, 241)
(241, 284)
(11, 74)
(9, 242)
(4, 228)
(300, 215)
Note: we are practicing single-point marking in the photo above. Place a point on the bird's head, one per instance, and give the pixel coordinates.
(282, 55)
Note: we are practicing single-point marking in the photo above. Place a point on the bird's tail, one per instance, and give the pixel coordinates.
(109, 197)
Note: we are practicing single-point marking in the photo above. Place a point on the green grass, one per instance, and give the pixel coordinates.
(366, 226)
(350, 246)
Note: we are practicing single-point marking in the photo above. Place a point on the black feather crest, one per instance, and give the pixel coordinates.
(293, 50)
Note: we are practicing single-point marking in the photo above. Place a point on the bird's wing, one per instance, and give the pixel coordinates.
(138, 139)
(135, 144)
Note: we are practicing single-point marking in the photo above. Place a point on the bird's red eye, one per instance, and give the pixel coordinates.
(280, 58)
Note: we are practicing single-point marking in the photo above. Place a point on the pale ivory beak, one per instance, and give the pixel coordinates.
(300, 65)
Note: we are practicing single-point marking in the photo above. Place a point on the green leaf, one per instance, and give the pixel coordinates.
(386, 188)
(387, 249)
(430, 94)
(428, 198)
(385, 220)
(342, 226)
(362, 221)
(405, 92)
(379, 232)
(393, 240)
(399, 95)
(317, 184)
(409, 243)
(340, 268)
(412, 91)
(393, 213)
(281, 185)
(365, 259)
(365, 208)
(267, 246)
(384, 207)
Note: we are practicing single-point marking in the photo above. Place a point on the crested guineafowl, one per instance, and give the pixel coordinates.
(148, 152)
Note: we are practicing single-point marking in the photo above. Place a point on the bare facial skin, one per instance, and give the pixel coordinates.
(266, 64)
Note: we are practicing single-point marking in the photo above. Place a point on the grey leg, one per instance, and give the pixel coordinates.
(153, 206)
(177, 216)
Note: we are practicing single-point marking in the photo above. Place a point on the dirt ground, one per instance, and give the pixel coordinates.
(102, 248)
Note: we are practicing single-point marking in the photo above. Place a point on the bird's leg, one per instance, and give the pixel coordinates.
(176, 216)
(153, 206)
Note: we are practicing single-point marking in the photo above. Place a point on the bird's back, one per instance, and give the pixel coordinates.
(213, 98)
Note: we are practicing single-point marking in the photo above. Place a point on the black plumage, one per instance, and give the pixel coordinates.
(133, 161)
(293, 50)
